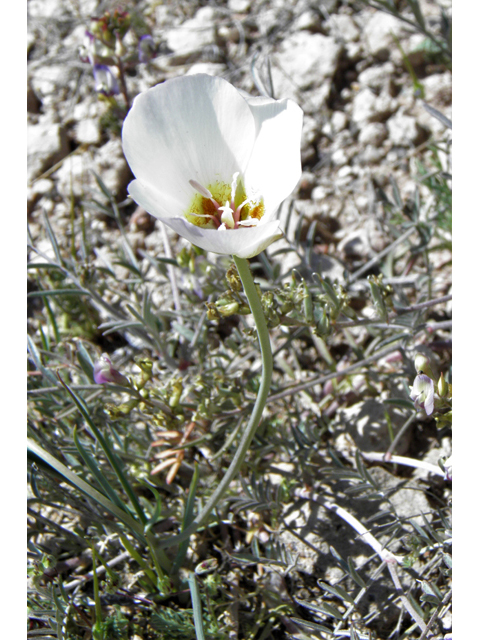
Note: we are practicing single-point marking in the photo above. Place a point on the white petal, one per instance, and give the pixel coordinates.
(158, 204)
(190, 128)
(275, 166)
(244, 243)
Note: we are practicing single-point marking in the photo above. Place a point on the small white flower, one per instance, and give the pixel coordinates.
(105, 81)
(207, 159)
(423, 393)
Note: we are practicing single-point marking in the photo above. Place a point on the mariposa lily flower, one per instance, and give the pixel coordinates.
(423, 393)
(213, 164)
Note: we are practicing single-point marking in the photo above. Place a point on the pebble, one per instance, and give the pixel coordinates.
(188, 40)
(404, 130)
(239, 6)
(88, 131)
(343, 28)
(376, 77)
(368, 107)
(47, 144)
(373, 133)
(308, 59)
(379, 32)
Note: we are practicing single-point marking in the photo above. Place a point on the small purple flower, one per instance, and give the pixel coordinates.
(104, 372)
(105, 81)
(146, 48)
(422, 393)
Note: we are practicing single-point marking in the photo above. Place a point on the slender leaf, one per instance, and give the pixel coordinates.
(73, 479)
(196, 605)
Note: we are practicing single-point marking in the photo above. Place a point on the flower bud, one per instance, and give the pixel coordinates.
(104, 372)
(233, 279)
(442, 386)
(228, 309)
(119, 46)
(422, 365)
(177, 389)
(212, 312)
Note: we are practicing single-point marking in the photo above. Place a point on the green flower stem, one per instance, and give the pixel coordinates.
(250, 289)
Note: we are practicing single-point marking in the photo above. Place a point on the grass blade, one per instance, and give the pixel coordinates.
(196, 606)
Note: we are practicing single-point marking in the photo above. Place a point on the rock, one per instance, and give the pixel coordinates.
(210, 68)
(109, 163)
(47, 144)
(376, 77)
(408, 503)
(343, 28)
(306, 184)
(239, 6)
(47, 8)
(338, 122)
(416, 52)
(304, 520)
(319, 193)
(189, 40)
(339, 158)
(368, 107)
(373, 133)
(87, 131)
(308, 21)
(404, 131)
(354, 51)
(38, 189)
(371, 154)
(438, 90)
(33, 103)
(367, 425)
(314, 101)
(50, 84)
(379, 34)
(304, 61)
(357, 244)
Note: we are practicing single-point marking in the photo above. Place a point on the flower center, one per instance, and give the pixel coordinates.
(223, 206)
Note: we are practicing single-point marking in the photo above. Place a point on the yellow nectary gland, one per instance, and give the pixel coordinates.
(205, 212)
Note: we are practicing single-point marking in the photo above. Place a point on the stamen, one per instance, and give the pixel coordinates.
(214, 219)
(249, 222)
(204, 192)
(228, 216)
(198, 187)
(236, 215)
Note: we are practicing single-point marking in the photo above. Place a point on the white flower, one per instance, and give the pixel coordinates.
(423, 393)
(105, 81)
(212, 164)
